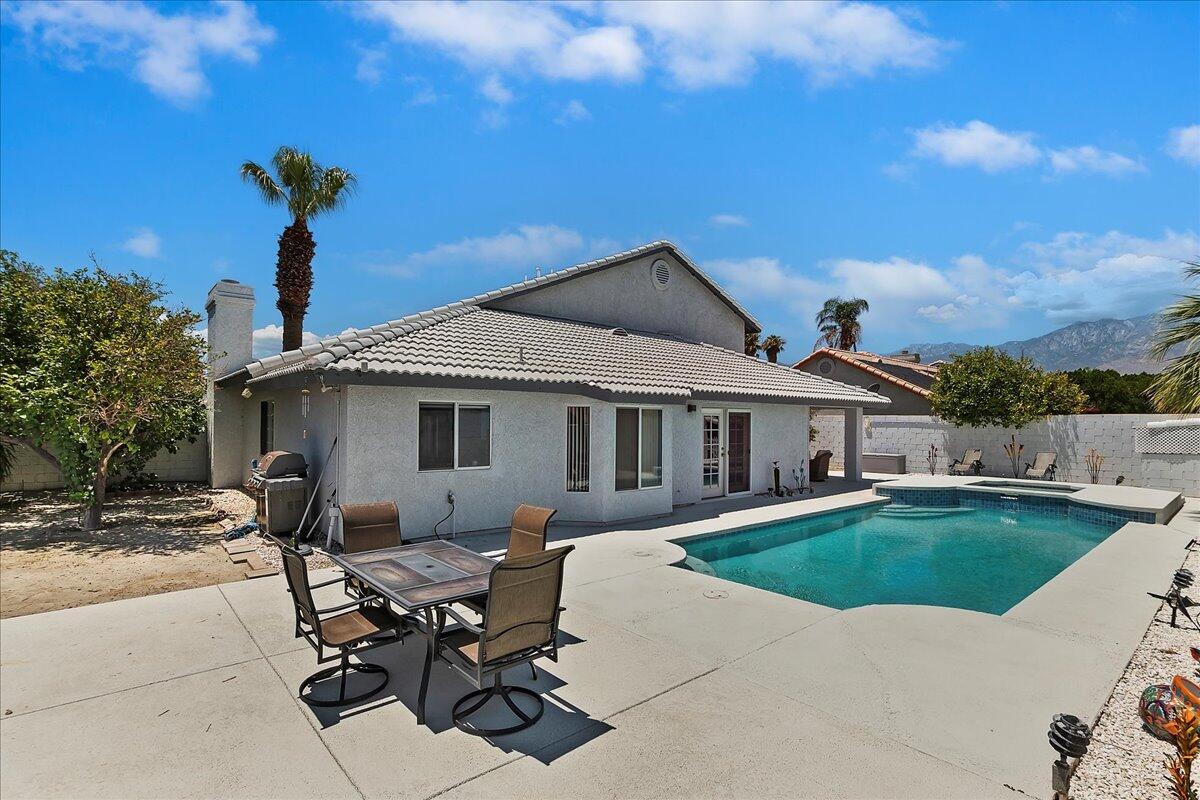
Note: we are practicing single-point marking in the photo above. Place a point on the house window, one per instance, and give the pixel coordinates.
(454, 436)
(579, 448)
(639, 448)
(266, 426)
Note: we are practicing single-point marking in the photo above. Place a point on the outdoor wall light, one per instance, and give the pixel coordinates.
(1070, 737)
(246, 393)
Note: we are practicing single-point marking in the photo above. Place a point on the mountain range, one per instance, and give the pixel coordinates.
(1120, 344)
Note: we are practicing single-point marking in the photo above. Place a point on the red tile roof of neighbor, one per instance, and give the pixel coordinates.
(915, 377)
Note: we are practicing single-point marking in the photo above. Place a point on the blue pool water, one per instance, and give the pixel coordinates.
(975, 558)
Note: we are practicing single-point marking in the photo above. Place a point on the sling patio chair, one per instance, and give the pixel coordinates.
(972, 461)
(349, 632)
(526, 536)
(520, 625)
(1043, 467)
(368, 526)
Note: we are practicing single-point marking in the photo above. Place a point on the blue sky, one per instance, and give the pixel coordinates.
(978, 172)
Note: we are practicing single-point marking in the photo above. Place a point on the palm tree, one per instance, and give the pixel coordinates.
(772, 345)
(838, 322)
(1176, 390)
(752, 344)
(308, 190)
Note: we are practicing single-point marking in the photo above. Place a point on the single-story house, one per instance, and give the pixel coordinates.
(901, 378)
(609, 390)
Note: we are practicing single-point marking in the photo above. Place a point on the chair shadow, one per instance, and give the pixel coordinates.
(561, 721)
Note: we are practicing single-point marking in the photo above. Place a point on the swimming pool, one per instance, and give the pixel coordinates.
(982, 559)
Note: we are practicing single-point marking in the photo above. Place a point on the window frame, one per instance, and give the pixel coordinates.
(661, 446)
(456, 405)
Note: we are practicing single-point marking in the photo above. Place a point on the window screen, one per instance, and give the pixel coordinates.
(651, 447)
(474, 436)
(627, 448)
(435, 436)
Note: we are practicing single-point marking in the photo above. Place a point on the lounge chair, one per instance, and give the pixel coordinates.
(520, 625)
(526, 536)
(972, 461)
(818, 465)
(350, 632)
(1043, 467)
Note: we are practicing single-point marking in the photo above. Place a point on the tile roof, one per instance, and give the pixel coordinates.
(917, 378)
(490, 344)
(469, 340)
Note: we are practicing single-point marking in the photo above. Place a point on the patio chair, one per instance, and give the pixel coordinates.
(972, 461)
(818, 465)
(520, 625)
(526, 536)
(349, 632)
(368, 526)
(1043, 467)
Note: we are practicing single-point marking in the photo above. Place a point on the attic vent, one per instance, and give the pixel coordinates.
(825, 366)
(619, 332)
(660, 271)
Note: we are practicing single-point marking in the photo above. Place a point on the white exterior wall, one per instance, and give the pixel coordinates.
(1070, 436)
(528, 460)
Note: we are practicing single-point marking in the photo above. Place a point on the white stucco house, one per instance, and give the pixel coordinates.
(609, 390)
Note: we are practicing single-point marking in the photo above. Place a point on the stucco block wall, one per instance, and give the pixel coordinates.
(1070, 436)
(625, 296)
(190, 463)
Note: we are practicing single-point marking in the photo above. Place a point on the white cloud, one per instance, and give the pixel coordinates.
(728, 221)
(976, 144)
(702, 44)
(574, 111)
(1091, 159)
(697, 44)
(899, 171)
(529, 246)
(269, 340)
(166, 52)
(144, 243)
(1184, 144)
(494, 90)
(370, 64)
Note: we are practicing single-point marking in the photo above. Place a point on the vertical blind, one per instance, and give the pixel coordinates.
(579, 448)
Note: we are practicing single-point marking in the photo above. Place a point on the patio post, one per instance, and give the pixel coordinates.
(853, 443)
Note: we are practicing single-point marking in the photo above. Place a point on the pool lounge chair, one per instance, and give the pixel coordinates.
(519, 626)
(1043, 467)
(972, 461)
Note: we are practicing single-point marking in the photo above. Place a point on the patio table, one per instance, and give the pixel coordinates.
(419, 578)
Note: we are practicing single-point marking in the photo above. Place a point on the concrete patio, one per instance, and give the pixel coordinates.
(661, 690)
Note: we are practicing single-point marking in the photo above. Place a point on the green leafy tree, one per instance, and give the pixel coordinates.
(96, 373)
(838, 322)
(1110, 392)
(308, 190)
(772, 345)
(1176, 390)
(987, 387)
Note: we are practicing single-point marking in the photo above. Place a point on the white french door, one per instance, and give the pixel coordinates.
(713, 453)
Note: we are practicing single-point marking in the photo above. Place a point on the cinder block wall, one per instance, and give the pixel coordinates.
(1069, 436)
(189, 464)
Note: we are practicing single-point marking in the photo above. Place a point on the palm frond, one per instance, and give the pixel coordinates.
(334, 188)
(261, 179)
(1176, 390)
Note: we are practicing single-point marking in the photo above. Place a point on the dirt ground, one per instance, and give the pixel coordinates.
(152, 541)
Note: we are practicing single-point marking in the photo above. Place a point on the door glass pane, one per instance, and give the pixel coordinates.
(739, 451)
(435, 436)
(627, 448)
(474, 436)
(712, 450)
(651, 447)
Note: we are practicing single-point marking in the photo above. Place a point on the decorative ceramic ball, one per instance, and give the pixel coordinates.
(1156, 707)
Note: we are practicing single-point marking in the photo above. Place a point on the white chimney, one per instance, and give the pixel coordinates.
(230, 310)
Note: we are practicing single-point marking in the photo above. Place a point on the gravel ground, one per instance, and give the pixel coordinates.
(1125, 762)
(238, 508)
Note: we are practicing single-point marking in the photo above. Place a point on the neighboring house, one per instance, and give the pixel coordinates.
(901, 378)
(610, 390)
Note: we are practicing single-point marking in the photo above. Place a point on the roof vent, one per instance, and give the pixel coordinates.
(660, 271)
(619, 332)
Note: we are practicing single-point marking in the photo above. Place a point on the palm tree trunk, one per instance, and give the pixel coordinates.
(293, 280)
